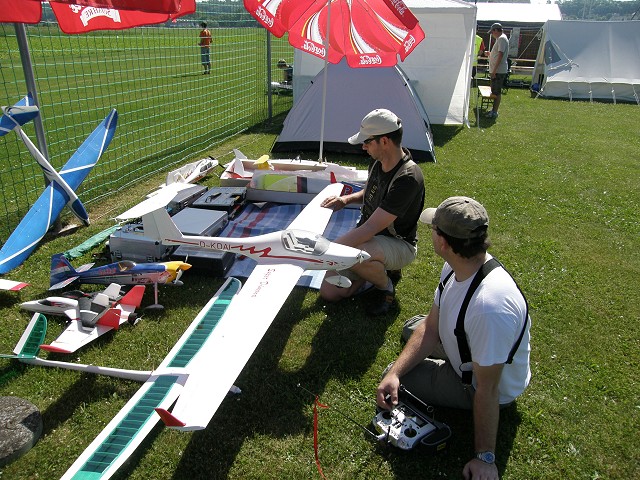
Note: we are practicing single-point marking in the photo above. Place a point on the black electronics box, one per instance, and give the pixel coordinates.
(198, 221)
(228, 199)
(211, 262)
(185, 198)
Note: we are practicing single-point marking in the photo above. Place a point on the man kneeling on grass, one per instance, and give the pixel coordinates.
(391, 204)
(486, 366)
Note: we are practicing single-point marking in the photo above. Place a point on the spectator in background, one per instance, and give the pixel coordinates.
(287, 71)
(479, 52)
(498, 66)
(205, 48)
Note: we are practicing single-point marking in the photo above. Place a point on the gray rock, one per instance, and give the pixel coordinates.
(20, 428)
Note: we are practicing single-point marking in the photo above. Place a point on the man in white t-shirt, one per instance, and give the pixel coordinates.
(498, 66)
(496, 326)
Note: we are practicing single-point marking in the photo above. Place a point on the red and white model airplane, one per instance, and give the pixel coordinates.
(91, 315)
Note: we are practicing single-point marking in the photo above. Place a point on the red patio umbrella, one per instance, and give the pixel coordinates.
(369, 33)
(80, 16)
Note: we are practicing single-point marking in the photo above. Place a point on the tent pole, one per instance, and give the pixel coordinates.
(27, 68)
(324, 82)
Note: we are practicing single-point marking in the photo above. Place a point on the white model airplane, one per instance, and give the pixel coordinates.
(218, 343)
(91, 315)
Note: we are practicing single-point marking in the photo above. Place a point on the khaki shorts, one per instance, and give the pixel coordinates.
(398, 254)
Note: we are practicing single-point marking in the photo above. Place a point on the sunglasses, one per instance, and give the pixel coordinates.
(369, 140)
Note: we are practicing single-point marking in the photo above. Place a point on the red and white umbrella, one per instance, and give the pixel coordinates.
(81, 16)
(369, 33)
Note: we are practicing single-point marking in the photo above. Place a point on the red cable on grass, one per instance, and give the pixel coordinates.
(317, 404)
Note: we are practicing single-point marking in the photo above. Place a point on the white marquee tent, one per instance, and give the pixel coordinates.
(439, 69)
(589, 60)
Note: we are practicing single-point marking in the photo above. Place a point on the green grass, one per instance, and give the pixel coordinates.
(560, 183)
(168, 111)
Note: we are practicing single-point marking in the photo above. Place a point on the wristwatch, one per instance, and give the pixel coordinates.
(486, 457)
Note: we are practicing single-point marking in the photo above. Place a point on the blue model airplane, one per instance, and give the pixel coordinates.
(60, 190)
(124, 272)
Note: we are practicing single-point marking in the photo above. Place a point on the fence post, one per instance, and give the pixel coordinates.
(27, 68)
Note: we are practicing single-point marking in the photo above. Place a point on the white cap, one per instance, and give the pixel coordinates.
(377, 122)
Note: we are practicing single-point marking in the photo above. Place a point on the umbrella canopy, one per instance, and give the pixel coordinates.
(369, 33)
(81, 16)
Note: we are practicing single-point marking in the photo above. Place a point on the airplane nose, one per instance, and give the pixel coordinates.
(362, 256)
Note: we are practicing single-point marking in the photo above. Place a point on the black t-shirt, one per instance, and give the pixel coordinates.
(399, 192)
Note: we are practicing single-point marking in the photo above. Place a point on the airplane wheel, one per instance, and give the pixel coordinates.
(133, 319)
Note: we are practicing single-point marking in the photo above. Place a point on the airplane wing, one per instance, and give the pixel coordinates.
(215, 368)
(11, 285)
(134, 422)
(45, 210)
(75, 336)
(241, 329)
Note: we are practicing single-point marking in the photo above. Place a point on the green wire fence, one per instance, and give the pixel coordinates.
(169, 112)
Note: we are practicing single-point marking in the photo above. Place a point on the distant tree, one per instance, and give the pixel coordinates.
(598, 9)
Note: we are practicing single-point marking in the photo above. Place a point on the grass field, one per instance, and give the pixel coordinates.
(168, 111)
(560, 183)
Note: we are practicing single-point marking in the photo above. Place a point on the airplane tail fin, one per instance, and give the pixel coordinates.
(79, 211)
(110, 319)
(134, 297)
(22, 112)
(29, 344)
(159, 226)
(61, 269)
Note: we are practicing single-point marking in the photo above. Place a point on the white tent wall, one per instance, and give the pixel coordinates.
(350, 96)
(439, 68)
(589, 60)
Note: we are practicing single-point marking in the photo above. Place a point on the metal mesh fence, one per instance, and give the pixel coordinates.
(169, 112)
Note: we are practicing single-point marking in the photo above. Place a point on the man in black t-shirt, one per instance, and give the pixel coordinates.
(392, 202)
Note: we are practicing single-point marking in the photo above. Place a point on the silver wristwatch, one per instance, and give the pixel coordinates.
(486, 457)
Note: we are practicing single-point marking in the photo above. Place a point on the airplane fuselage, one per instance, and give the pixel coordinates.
(307, 249)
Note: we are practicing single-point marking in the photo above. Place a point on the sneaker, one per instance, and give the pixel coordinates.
(394, 275)
(381, 302)
(492, 114)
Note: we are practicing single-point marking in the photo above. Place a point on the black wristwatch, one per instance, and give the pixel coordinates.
(486, 457)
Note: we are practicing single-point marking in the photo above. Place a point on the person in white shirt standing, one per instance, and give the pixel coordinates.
(498, 66)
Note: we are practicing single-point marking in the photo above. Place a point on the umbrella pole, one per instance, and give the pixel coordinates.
(324, 81)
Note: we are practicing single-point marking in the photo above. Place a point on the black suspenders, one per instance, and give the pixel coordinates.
(459, 332)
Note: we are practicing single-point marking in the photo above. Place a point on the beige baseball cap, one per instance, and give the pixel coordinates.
(377, 122)
(458, 217)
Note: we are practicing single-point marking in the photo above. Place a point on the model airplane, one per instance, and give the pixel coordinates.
(124, 272)
(60, 190)
(300, 244)
(217, 345)
(91, 315)
(192, 172)
(12, 285)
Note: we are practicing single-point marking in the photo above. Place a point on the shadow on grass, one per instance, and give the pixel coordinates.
(271, 404)
(460, 449)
